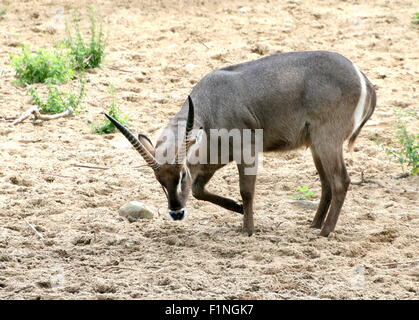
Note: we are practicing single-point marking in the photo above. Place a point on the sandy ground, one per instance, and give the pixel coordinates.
(157, 51)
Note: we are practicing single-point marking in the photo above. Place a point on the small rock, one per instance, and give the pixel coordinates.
(81, 240)
(135, 210)
(44, 284)
(260, 49)
(36, 29)
(104, 288)
(175, 96)
(190, 67)
(305, 204)
(21, 180)
(12, 43)
(72, 289)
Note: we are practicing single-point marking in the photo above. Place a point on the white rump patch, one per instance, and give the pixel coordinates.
(360, 107)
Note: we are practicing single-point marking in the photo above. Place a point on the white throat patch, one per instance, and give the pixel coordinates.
(179, 184)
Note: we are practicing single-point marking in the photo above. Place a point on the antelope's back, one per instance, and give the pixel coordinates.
(279, 93)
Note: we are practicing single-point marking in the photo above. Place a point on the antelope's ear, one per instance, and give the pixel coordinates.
(146, 142)
(196, 139)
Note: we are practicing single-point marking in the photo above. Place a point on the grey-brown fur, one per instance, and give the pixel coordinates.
(298, 99)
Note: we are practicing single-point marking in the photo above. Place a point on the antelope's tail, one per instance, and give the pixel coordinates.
(369, 102)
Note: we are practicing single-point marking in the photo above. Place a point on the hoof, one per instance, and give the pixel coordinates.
(324, 233)
(247, 231)
(238, 208)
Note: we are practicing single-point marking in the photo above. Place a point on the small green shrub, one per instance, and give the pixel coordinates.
(105, 126)
(303, 193)
(406, 149)
(42, 66)
(57, 101)
(2, 13)
(415, 19)
(86, 54)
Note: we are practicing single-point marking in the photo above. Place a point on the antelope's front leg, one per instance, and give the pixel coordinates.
(200, 193)
(247, 192)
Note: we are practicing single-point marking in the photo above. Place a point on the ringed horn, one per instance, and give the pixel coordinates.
(186, 143)
(151, 161)
(149, 158)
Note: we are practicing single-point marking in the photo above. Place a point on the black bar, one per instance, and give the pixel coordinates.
(207, 309)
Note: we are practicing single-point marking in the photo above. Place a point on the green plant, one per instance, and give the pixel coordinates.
(105, 126)
(303, 193)
(415, 19)
(407, 149)
(57, 101)
(86, 54)
(2, 13)
(42, 66)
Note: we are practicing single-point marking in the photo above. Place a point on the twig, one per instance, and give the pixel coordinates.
(117, 267)
(90, 166)
(87, 59)
(142, 166)
(58, 175)
(118, 69)
(362, 181)
(159, 269)
(35, 111)
(30, 141)
(201, 42)
(34, 229)
(66, 113)
(8, 118)
(25, 115)
(393, 264)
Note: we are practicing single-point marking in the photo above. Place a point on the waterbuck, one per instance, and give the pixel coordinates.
(316, 99)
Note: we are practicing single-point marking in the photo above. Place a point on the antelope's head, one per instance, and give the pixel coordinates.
(174, 178)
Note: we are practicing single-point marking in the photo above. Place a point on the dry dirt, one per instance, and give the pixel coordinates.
(157, 51)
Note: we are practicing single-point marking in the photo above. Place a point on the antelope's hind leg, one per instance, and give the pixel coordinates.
(326, 196)
(339, 181)
(329, 161)
(247, 192)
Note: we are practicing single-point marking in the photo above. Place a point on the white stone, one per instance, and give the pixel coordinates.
(135, 210)
(189, 67)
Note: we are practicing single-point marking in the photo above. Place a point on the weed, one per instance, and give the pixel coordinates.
(303, 193)
(415, 19)
(42, 66)
(2, 13)
(105, 126)
(407, 149)
(86, 54)
(57, 101)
